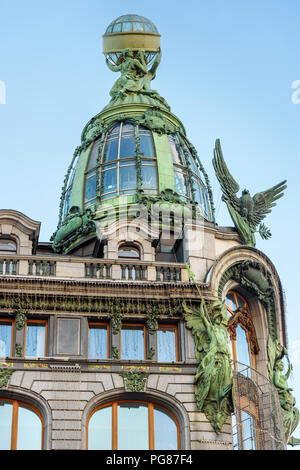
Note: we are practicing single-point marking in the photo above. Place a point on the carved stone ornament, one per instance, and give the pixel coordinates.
(135, 379)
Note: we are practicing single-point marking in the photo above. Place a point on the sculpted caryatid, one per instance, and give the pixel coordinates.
(214, 373)
(135, 76)
(290, 413)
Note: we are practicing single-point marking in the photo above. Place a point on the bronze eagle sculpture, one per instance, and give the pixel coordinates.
(246, 211)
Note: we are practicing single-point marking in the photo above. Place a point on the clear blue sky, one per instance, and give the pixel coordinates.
(227, 71)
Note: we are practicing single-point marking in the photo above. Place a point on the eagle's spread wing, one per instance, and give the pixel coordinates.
(264, 201)
(228, 184)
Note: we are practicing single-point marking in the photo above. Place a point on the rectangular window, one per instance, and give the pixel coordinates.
(133, 342)
(167, 343)
(6, 338)
(35, 340)
(98, 341)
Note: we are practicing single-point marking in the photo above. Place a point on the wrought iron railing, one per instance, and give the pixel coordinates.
(257, 420)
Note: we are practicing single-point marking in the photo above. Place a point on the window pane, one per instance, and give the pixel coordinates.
(133, 426)
(94, 155)
(111, 150)
(165, 431)
(109, 181)
(132, 341)
(97, 342)
(7, 246)
(166, 347)
(90, 187)
(5, 339)
(181, 183)
(248, 423)
(35, 339)
(128, 252)
(243, 355)
(100, 430)
(146, 146)
(29, 430)
(230, 302)
(127, 147)
(128, 177)
(5, 425)
(149, 177)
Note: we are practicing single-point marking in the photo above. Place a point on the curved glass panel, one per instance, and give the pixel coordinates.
(20, 427)
(165, 430)
(6, 410)
(100, 430)
(68, 192)
(29, 430)
(132, 426)
(187, 175)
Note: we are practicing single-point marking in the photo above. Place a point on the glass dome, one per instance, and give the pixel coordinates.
(129, 159)
(131, 23)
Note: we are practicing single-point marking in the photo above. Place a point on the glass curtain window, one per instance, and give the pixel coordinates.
(91, 176)
(35, 339)
(6, 329)
(132, 426)
(133, 343)
(98, 344)
(119, 165)
(21, 426)
(166, 344)
(185, 169)
(68, 193)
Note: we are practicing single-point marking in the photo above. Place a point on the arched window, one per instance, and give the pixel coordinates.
(241, 330)
(128, 251)
(21, 426)
(132, 425)
(7, 246)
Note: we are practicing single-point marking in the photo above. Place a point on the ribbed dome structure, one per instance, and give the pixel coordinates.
(134, 151)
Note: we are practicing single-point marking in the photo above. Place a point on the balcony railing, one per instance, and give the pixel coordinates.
(92, 268)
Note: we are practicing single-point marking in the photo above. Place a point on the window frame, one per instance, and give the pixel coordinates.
(170, 326)
(252, 356)
(12, 321)
(14, 420)
(140, 326)
(28, 321)
(119, 162)
(106, 324)
(151, 431)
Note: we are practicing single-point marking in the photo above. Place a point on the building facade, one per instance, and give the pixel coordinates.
(142, 324)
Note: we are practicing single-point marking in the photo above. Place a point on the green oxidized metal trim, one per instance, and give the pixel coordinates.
(76, 224)
(5, 374)
(290, 414)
